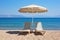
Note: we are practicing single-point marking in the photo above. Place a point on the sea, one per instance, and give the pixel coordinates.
(18, 23)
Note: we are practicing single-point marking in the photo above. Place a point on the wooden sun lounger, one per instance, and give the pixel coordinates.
(39, 29)
(27, 26)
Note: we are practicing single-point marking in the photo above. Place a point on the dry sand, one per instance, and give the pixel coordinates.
(49, 35)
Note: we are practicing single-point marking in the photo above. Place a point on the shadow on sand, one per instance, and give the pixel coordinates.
(17, 32)
(23, 33)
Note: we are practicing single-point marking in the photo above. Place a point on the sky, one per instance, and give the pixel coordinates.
(9, 8)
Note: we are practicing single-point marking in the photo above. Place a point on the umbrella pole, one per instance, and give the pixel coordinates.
(32, 21)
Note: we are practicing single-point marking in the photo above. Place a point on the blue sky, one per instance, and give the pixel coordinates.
(9, 8)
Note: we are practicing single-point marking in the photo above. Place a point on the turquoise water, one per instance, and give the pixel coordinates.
(18, 23)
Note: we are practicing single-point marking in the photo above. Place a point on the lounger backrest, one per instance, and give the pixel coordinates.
(27, 25)
(39, 26)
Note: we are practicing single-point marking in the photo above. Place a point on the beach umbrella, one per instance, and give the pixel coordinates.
(33, 9)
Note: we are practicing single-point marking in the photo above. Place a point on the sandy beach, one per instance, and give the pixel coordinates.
(49, 35)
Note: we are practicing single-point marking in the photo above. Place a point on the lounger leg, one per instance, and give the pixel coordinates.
(29, 32)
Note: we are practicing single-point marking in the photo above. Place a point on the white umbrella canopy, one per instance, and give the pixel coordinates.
(33, 9)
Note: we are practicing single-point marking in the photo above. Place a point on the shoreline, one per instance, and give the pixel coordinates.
(22, 29)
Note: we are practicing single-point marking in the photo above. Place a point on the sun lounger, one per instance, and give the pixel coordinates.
(27, 26)
(39, 29)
